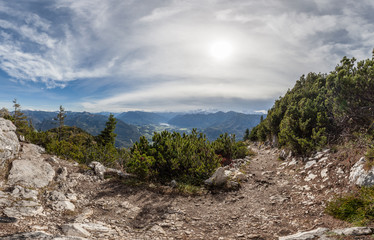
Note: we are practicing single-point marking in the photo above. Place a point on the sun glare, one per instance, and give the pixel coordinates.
(221, 50)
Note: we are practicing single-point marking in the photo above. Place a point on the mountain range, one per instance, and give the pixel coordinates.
(131, 125)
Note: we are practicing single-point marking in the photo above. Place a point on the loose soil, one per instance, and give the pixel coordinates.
(274, 201)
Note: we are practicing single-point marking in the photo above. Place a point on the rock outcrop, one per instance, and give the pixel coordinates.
(31, 173)
(325, 233)
(9, 144)
(360, 176)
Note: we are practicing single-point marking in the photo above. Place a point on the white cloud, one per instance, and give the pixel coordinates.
(161, 48)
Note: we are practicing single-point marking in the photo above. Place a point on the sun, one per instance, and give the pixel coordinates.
(221, 50)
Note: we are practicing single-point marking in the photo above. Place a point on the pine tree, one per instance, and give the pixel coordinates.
(60, 118)
(18, 116)
(107, 136)
(246, 135)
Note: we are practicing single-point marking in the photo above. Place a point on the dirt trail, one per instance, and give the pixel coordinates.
(276, 200)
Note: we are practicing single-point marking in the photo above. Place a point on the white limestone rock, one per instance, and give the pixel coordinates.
(309, 164)
(314, 234)
(354, 231)
(219, 178)
(24, 193)
(310, 177)
(359, 176)
(9, 144)
(24, 208)
(74, 229)
(31, 173)
(63, 205)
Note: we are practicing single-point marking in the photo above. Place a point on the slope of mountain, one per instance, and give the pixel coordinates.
(92, 123)
(214, 124)
(142, 118)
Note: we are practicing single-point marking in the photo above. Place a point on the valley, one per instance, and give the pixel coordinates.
(131, 125)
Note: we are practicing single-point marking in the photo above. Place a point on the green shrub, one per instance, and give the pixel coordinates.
(355, 208)
(321, 108)
(188, 158)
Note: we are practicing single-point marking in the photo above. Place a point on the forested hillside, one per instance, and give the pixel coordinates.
(215, 124)
(322, 109)
(91, 123)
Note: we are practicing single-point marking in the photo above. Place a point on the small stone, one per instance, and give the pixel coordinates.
(74, 229)
(314, 234)
(310, 177)
(57, 196)
(354, 231)
(63, 205)
(173, 184)
(310, 164)
(324, 173)
(158, 229)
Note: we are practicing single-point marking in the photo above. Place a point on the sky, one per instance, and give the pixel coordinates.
(169, 55)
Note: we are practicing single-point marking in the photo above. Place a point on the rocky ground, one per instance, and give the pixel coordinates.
(63, 200)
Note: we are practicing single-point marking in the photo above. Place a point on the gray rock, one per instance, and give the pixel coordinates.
(25, 193)
(359, 176)
(238, 176)
(84, 215)
(39, 235)
(324, 173)
(31, 151)
(314, 234)
(173, 184)
(74, 229)
(283, 154)
(63, 205)
(9, 144)
(310, 164)
(30, 235)
(98, 168)
(219, 178)
(57, 196)
(292, 162)
(52, 160)
(354, 231)
(62, 173)
(96, 227)
(31, 173)
(24, 209)
(310, 177)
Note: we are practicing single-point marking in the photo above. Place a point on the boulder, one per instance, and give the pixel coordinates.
(62, 174)
(39, 235)
(219, 177)
(353, 231)
(63, 205)
(31, 151)
(9, 144)
(74, 229)
(314, 234)
(359, 176)
(31, 173)
(99, 169)
(24, 193)
(57, 196)
(24, 208)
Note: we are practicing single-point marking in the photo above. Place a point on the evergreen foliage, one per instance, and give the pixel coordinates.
(187, 158)
(355, 208)
(19, 119)
(60, 118)
(322, 107)
(107, 136)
